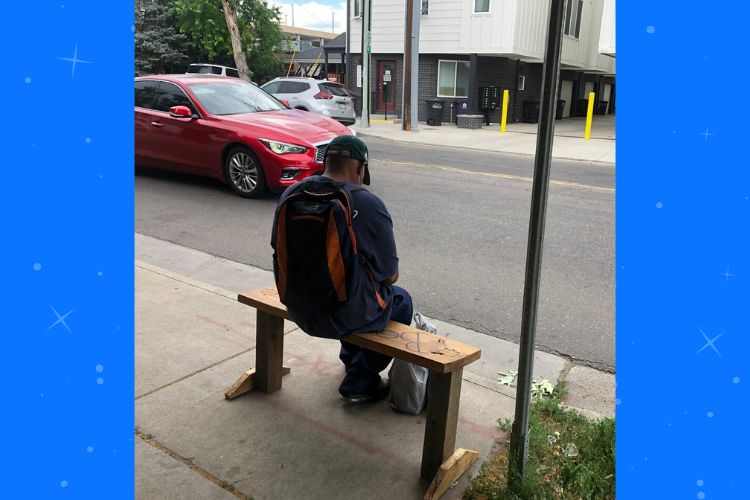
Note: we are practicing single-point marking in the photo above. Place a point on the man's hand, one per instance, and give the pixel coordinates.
(392, 279)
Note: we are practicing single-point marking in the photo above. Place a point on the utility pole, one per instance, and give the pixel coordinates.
(292, 15)
(519, 444)
(365, 119)
(410, 85)
(333, 22)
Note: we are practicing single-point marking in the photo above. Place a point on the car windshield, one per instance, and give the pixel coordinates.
(234, 98)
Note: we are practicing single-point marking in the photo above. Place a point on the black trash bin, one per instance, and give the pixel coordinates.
(435, 112)
(560, 109)
(530, 111)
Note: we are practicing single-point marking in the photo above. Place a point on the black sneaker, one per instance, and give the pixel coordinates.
(384, 387)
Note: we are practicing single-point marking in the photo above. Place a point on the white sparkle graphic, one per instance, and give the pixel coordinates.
(27, 79)
(727, 275)
(618, 401)
(706, 133)
(74, 60)
(700, 483)
(60, 319)
(100, 381)
(701, 495)
(650, 29)
(710, 414)
(659, 204)
(37, 266)
(736, 380)
(88, 140)
(99, 273)
(710, 343)
(64, 484)
(90, 449)
(99, 368)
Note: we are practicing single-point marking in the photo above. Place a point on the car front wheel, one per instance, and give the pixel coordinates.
(244, 173)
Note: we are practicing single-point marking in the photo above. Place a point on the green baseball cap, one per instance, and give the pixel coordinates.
(350, 146)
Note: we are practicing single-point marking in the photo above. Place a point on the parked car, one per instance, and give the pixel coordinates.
(212, 69)
(228, 129)
(319, 96)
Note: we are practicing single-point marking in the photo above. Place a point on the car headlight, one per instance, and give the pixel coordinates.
(282, 148)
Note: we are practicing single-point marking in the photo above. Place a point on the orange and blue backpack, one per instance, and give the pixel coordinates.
(316, 261)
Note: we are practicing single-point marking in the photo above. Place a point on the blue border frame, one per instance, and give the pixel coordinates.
(682, 268)
(67, 204)
(682, 251)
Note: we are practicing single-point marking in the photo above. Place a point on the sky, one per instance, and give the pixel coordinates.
(314, 15)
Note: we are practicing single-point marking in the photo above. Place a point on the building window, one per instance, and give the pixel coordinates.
(453, 79)
(425, 7)
(481, 6)
(521, 82)
(357, 8)
(572, 22)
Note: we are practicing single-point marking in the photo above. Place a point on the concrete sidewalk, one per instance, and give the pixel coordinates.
(193, 339)
(520, 138)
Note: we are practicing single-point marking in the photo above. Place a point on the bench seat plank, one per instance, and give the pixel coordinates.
(434, 352)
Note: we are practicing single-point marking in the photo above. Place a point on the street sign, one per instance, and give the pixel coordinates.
(359, 75)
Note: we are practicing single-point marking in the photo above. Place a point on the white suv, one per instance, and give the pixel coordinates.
(212, 69)
(319, 96)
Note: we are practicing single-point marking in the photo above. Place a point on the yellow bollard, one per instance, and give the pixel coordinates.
(505, 112)
(589, 116)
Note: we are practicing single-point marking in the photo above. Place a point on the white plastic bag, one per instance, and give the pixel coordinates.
(409, 381)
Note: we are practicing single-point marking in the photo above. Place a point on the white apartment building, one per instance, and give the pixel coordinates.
(468, 44)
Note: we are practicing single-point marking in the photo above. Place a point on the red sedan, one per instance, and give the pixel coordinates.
(227, 129)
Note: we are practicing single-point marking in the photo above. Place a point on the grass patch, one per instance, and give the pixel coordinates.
(570, 457)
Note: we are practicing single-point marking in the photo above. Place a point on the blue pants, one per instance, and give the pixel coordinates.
(363, 366)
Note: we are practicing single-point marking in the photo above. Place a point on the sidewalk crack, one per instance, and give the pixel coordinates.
(188, 461)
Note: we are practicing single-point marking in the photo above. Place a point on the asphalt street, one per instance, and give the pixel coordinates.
(461, 223)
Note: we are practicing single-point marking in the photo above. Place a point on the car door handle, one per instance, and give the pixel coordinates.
(157, 124)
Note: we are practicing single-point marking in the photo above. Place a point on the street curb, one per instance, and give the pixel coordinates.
(360, 133)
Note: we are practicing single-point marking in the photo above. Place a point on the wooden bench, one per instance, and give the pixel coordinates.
(445, 359)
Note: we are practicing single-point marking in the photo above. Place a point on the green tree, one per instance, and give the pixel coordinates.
(204, 22)
(159, 45)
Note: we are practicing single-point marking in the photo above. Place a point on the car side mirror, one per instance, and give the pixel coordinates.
(180, 112)
(285, 102)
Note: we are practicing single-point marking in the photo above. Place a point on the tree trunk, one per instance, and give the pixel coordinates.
(234, 34)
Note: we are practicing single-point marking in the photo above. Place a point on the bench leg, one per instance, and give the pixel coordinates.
(269, 350)
(449, 472)
(443, 393)
(246, 383)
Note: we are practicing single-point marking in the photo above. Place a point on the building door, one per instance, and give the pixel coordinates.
(386, 92)
(606, 96)
(566, 94)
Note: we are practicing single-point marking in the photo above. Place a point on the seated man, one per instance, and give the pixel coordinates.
(372, 299)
